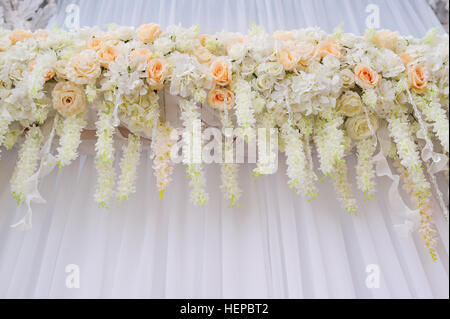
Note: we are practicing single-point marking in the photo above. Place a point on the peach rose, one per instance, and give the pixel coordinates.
(19, 36)
(148, 33)
(385, 39)
(216, 98)
(41, 34)
(305, 53)
(83, 68)
(365, 77)
(221, 71)
(418, 77)
(143, 53)
(406, 58)
(287, 57)
(68, 99)
(95, 44)
(157, 71)
(202, 54)
(107, 55)
(329, 48)
(203, 38)
(282, 36)
(48, 76)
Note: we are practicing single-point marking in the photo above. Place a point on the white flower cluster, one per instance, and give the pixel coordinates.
(192, 151)
(104, 159)
(162, 142)
(229, 171)
(329, 140)
(244, 109)
(411, 165)
(343, 188)
(230, 185)
(365, 173)
(70, 139)
(5, 120)
(128, 167)
(297, 165)
(437, 116)
(27, 163)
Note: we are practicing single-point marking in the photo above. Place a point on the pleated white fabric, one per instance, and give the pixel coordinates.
(277, 245)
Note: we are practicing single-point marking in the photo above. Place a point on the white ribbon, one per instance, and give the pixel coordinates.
(30, 187)
(439, 160)
(410, 217)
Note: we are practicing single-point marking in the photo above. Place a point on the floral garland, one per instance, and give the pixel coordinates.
(323, 92)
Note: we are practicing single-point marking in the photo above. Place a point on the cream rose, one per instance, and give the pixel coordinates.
(202, 54)
(273, 69)
(328, 48)
(19, 36)
(305, 51)
(358, 127)
(237, 49)
(106, 55)
(386, 39)
(287, 57)
(60, 68)
(69, 99)
(95, 44)
(248, 66)
(418, 77)
(349, 104)
(83, 68)
(365, 77)
(348, 78)
(141, 54)
(216, 98)
(157, 71)
(264, 82)
(148, 33)
(220, 70)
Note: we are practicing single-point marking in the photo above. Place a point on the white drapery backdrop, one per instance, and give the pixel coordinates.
(277, 245)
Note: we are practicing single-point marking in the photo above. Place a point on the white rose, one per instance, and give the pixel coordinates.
(248, 66)
(349, 104)
(358, 128)
(370, 98)
(124, 33)
(163, 46)
(331, 63)
(237, 51)
(264, 82)
(348, 78)
(274, 69)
